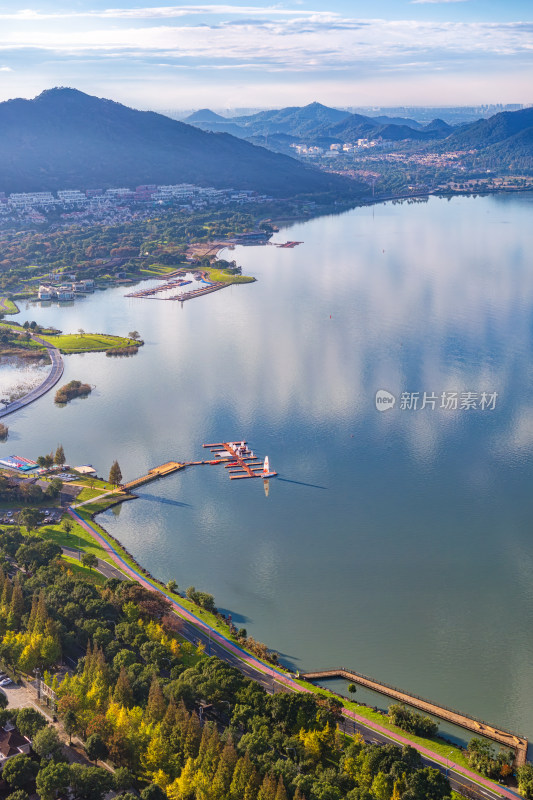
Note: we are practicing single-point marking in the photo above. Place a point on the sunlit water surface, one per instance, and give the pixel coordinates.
(399, 544)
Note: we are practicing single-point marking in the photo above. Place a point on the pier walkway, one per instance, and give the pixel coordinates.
(511, 740)
(153, 474)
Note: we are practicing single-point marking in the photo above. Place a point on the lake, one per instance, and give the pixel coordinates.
(397, 543)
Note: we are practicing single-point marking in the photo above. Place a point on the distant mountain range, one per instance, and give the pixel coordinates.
(318, 123)
(67, 139)
(507, 133)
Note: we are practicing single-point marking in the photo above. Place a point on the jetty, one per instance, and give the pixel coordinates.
(288, 244)
(502, 737)
(153, 474)
(178, 283)
(241, 461)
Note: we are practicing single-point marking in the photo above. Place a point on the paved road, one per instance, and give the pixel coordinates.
(104, 567)
(196, 630)
(51, 379)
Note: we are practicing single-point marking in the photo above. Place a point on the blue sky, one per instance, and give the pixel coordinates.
(235, 54)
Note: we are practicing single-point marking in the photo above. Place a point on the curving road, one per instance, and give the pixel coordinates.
(51, 379)
(273, 679)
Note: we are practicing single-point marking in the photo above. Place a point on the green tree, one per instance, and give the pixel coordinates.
(29, 722)
(157, 704)
(90, 783)
(52, 780)
(20, 771)
(18, 794)
(123, 779)
(29, 518)
(47, 744)
(70, 724)
(59, 457)
(96, 748)
(525, 780)
(153, 792)
(134, 335)
(3, 700)
(123, 693)
(352, 688)
(89, 560)
(115, 475)
(68, 525)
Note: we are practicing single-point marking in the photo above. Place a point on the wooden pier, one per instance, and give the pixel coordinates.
(502, 737)
(156, 472)
(241, 462)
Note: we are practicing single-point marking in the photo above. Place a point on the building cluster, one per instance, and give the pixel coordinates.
(118, 204)
(64, 291)
(336, 149)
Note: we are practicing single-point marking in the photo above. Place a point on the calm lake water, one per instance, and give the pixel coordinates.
(399, 544)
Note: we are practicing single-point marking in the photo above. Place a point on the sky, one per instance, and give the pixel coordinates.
(256, 54)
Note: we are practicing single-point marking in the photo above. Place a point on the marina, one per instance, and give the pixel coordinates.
(177, 284)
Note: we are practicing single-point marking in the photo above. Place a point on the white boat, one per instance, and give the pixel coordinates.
(266, 470)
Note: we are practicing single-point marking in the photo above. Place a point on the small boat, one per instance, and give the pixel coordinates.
(266, 470)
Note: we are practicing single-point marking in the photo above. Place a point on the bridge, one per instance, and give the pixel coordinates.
(502, 737)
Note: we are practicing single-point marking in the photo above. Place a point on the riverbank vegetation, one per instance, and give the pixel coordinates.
(412, 722)
(71, 390)
(166, 714)
(82, 342)
(122, 351)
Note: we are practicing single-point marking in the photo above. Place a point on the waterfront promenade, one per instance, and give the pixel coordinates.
(510, 740)
(51, 379)
(199, 631)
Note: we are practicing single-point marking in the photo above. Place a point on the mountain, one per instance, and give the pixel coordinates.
(493, 130)
(204, 115)
(67, 139)
(317, 124)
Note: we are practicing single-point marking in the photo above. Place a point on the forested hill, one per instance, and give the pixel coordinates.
(66, 139)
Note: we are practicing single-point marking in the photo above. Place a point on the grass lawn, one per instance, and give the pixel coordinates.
(78, 538)
(8, 306)
(85, 573)
(220, 275)
(160, 269)
(89, 342)
(87, 493)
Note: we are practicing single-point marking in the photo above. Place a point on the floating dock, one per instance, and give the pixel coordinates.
(511, 740)
(241, 461)
(153, 292)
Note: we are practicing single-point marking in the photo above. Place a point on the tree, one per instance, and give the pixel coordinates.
(59, 457)
(115, 475)
(155, 710)
(29, 518)
(68, 525)
(29, 722)
(70, 724)
(20, 771)
(89, 560)
(18, 794)
(525, 780)
(81, 332)
(134, 335)
(90, 783)
(352, 688)
(47, 744)
(153, 792)
(96, 748)
(172, 586)
(53, 779)
(3, 700)
(123, 779)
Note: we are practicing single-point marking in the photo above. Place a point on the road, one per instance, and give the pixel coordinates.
(51, 379)
(273, 679)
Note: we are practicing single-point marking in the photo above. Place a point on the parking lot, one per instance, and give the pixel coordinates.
(51, 516)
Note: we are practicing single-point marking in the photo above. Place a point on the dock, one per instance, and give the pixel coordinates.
(156, 472)
(177, 283)
(241, 461)
(511, 740)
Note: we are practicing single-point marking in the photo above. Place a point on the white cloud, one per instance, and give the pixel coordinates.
(159, 12)
(6, 69)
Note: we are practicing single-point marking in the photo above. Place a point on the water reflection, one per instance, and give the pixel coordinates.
(416, 565)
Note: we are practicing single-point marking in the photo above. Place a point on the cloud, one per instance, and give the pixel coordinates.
(6, 69)
(158, 12)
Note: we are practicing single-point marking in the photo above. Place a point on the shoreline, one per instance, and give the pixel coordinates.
(284, 673)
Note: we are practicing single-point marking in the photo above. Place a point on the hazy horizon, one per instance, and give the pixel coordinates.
(405, 52)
